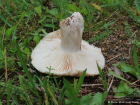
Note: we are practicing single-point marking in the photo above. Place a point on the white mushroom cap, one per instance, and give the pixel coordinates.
(66, 52)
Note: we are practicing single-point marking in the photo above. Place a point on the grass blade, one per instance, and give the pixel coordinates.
(29, 15)
(52, 96)
(6, 75)
(110, 5)
(108, 24)
(0, 102)
(24, 65)
(22, 16)
(23, 81)
(8, 92)
(103, 77)
(80, 82)
(137, 5)
(133, 16)
(10, 30)
(8, 5)
(136, 60)
(26, 70)
(72, 92)
(75, 83)
(4, 19)
(118, 76)
(47, 90)
(38, 10)
(61, 96)
(15, 100)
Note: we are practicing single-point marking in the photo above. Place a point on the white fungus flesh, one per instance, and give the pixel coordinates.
(66, 52)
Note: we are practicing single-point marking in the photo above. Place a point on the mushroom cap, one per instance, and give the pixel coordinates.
(48, 53)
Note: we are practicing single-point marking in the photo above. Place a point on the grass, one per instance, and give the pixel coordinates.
(24, 23)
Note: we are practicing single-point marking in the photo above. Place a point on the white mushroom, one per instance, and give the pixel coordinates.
(66, 52)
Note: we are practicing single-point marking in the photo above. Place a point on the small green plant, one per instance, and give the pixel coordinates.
(62, 6)
(100, 37)
(137, 19)
(129, 68)
(128, 30)
(123, 90)
(136, 43)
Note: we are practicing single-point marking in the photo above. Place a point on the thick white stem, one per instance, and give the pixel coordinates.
(71, 32)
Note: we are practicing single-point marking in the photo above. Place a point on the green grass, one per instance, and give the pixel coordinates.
(24, 23)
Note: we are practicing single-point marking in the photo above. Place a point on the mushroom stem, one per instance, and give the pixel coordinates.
(71, 41)
(71, 32)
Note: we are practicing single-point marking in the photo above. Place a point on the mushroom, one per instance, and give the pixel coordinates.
(66, 52)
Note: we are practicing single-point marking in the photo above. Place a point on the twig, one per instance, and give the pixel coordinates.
(106, 19)
(106, 39)
(6, 76)
(136, 85)
(123, 99)
(1, 75)
(51, 4)
(111, 83)
(129, 52)
(12, 92)
(113, 58)
(12, 58)
(135, 81)
(89, 85)
(41, 89)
